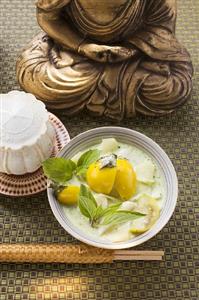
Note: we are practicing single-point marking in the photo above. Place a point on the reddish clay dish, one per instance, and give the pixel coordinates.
(33, 183)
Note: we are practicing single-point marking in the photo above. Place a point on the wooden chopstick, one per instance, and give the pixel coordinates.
(71, 253)
(139, 252)
(138, 255)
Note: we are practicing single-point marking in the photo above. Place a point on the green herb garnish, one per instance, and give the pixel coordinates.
(121, 216)
(98, 215)
(59, 169)
(102, 212)
(87, 203)
(86, 160)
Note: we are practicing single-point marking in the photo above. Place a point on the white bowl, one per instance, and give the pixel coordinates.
(128, 136)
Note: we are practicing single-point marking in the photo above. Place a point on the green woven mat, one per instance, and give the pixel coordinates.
(31, 220)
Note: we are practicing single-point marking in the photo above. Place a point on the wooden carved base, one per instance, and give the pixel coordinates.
(139, 70)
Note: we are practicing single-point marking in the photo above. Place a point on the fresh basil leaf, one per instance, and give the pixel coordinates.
(84, 207)
(86, 159)
(81, 171)
(101, 212)
(97, 216)
(59, 169)
(113, 199)
(111, 209)
(120, 216)
(110, 215)
(87, 203)
(85, 191)
(98, 212)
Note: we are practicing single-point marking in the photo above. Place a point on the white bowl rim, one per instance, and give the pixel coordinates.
(143, 237)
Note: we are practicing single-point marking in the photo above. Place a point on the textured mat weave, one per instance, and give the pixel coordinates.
(30, 220)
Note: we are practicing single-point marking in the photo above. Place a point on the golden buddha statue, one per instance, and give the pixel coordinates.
(113, 57)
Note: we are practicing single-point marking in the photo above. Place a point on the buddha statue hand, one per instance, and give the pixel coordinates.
(61, 59)
(56, 57)
(104, 54)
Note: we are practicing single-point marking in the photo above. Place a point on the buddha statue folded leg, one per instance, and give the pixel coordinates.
(150, 88)
(124, 58)
(161, 88)
(62, 79)
(71, 82)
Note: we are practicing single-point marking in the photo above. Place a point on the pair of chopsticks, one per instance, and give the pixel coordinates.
(71, 253)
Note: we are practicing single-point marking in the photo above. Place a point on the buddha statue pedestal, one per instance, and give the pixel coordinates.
(113, 57)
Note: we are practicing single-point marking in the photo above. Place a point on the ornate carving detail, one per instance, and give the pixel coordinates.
(115, 58)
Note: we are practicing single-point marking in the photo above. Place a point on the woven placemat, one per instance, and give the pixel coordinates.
(31, 220)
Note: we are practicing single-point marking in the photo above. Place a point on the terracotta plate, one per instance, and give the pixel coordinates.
(32, 183)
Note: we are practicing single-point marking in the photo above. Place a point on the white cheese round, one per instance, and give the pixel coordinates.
(26, 135)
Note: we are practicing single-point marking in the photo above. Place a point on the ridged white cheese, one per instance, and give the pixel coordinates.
(26, 135)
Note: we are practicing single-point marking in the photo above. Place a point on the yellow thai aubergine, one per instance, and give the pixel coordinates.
(120, 178)
(69, 195)
(125, 180)
(152, 211)
(101, 180)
